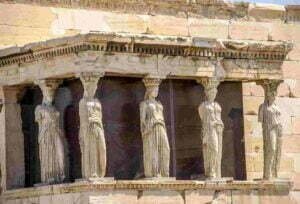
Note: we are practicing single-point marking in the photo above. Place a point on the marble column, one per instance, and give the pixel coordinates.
(51, 139)
(212, 129)
(270, 116)
(12, 141)
(91, 134)
(156, 148)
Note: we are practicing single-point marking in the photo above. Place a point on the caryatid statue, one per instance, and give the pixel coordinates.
(91, 134)
(156, 149)
(212, 129)
(50, 137)
(269, 114)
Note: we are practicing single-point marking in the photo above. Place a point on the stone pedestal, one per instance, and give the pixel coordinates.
(159, 179)
(95, 180)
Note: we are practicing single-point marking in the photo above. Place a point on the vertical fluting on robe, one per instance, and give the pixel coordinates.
(156, 149)
(270, 116)
(91, 134)
(50, 138)
(212, 129)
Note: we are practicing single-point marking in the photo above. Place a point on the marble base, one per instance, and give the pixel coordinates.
(40, 184)
(201, 177)
(219, 180)
(159, 179)
(95, 180)
(274, 180)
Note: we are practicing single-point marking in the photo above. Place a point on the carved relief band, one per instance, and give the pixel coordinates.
(156, 149)
(212, 129)
(91, 134)
(50, 138)
(269, 115)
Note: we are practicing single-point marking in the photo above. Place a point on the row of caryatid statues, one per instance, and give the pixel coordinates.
(156, 149)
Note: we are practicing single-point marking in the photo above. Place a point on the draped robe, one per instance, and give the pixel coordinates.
(92, 141)
(212, 133)
(51, 144)
(156, 149)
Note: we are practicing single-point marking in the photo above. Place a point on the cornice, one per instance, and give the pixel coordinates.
(145, 45)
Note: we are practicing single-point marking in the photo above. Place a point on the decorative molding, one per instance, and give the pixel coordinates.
(146, 185)
(145, 45)
(150, 82)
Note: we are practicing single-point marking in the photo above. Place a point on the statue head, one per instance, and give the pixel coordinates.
(151, 92)
(89, 89)
(271, 97)
(48, 88)
(270, 88)
(210, 88)
(211, 94)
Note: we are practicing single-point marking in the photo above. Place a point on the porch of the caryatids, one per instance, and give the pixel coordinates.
(270, 116)
(156, 148)
(91, 134)
(212, 129)
(52, 144)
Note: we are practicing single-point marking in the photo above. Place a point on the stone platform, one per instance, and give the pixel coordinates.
(148, 192)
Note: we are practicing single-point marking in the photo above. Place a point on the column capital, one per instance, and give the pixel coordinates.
(209, 82)
(270, 86)
(89, 80)
(48, 87)
(90, 76)
(151, 81)
(49, 83)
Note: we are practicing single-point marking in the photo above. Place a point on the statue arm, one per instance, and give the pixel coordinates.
(219, 116)
(200, 111)
(38, 115)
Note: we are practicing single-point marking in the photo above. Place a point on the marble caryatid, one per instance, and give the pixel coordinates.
(212, 130)
(50, 137)
(269, 115)
(91, 134)
(156, 149)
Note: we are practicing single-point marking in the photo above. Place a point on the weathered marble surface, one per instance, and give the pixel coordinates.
(156, 148)
(91, 134)
(50, 138)
(212, 129)
(270, 116)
